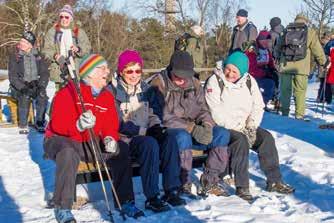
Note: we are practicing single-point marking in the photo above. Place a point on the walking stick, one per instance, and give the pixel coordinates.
(94, 143)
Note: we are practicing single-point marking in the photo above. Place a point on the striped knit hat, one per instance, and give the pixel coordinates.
(68, 9)
(88, 63)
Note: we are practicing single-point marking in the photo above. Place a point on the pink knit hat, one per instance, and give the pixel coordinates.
(128, 56)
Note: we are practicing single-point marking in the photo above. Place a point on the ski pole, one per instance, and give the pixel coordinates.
(71, 68)
(103, 161)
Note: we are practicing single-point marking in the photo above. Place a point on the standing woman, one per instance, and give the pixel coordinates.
(64, 36)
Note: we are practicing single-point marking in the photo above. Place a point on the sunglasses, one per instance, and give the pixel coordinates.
(139, 71)
(64, 17)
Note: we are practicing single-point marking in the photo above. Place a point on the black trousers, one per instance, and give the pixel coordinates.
(67, 155)
(23, 102)
(266, 149)
(325, 93)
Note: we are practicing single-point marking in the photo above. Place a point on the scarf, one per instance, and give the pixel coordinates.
(30, 65)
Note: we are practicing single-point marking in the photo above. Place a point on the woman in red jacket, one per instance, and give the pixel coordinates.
(261, 65)
(67, 138)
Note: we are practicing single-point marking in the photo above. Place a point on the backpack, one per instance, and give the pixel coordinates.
(181, 43)
(295, 42)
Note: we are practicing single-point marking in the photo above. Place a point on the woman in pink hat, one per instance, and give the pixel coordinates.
(145, 135)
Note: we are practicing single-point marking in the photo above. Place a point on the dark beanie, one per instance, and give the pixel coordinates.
(30, 37)
(275, 22)
(242, 13)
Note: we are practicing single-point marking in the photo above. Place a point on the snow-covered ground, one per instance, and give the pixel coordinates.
(306, 158)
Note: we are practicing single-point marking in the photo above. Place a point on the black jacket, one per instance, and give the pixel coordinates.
(16, 72)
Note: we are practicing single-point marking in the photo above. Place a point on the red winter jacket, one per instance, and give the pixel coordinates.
(330, 74)
(66, 111)
(258, 68)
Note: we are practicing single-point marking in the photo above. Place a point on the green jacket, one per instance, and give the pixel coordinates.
(303, 67)
(52, 47)
(195, 49)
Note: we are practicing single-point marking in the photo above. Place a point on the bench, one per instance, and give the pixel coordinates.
(87, 172)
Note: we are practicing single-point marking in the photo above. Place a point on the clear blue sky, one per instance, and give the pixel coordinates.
(260, 11)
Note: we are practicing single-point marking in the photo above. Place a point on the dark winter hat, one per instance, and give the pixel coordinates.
(275, 22)
(30, 37)
(242, 13)
(182, 64)
(240, 60)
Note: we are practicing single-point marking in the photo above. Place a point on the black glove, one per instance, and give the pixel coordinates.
(129, 129)
(156, 132)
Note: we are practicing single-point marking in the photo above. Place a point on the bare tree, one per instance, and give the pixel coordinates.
(319, 12)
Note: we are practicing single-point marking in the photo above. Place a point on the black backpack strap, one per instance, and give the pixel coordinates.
(221, 83)
(249, 84)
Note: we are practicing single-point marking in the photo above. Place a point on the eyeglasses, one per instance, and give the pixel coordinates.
(139, 71)
(64, 17)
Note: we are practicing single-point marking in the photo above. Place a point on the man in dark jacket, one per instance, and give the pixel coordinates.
(182, 108)
(276, 31)
(28, 77)
(244, 32)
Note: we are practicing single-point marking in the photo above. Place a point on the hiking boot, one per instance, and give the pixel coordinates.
(156, 204)
(173, 198)
(64, 216)
(185, 190)
(211, 188)
(130, 209)
(244, 194)
(280, 187)
(23, 130)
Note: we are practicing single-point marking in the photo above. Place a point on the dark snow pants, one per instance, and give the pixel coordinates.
(147, 152)
(266, 149)
(238, 151)
(67, 155)
(268, 156)
(217, 152)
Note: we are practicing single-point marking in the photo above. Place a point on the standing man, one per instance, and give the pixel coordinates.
(295, 63)
(64, 36)
(191, 42)
(276, 31)
(244, 32)
(28, 78)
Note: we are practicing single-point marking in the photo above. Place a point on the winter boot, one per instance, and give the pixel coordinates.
(185, 190)
(130, 209)
(40, 126)
(64, 216)
(23, 130)
(156, 204)
(173, 198)
(207, 188)
(280, 187)
(243, 193)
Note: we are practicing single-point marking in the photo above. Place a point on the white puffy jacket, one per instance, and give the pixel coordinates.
(235, 106)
